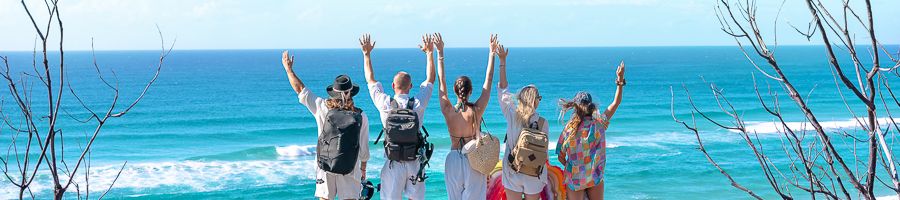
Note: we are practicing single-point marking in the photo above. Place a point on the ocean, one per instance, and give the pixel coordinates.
(225, 124)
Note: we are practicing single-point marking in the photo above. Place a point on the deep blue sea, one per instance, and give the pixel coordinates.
(225, 124)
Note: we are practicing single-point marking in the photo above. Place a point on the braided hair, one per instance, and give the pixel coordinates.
(463, 89)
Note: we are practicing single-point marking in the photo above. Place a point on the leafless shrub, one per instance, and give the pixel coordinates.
(816, 167)
(44, 146)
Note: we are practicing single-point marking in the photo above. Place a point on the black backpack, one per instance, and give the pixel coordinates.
(403, 138)
(338, 145)
(404, 141)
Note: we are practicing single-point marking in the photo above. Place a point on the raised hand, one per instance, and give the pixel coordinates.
(427, 45)
(620, 73)
(287, 60)
(502, 52)
(620, 84)
(495, 43)
(439, 43)
(366, 43)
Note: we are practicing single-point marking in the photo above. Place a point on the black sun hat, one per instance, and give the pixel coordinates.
(342, 84)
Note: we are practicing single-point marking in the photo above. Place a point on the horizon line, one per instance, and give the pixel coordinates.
(342, 48)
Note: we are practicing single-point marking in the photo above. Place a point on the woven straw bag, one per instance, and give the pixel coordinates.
(483, 153)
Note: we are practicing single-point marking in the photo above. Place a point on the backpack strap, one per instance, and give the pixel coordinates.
(540, 123)
(420, 175)
(394, 104)
(411, 103)
(379, 136)
(537, 123)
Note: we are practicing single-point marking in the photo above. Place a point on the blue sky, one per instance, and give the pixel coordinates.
(232, 24)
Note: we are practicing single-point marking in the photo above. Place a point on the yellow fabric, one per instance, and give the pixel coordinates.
(497, 167)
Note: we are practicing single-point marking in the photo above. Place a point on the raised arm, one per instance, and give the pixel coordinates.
(502, 52)
(620, 84)
(427, 46)
(489, 75)
(366, 43)
(446, 105)
(288, 61)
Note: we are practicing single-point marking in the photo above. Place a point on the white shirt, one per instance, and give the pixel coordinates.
(513, 126)
(383, 101)
(317, 107)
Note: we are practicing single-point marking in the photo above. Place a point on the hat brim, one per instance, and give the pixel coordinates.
(336, 94)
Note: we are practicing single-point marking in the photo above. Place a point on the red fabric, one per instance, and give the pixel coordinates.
(496, 191)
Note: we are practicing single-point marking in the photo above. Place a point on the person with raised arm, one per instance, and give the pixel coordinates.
(463, 120)
(343, 135)
(523, 173)
(581, 147)
(405, 146)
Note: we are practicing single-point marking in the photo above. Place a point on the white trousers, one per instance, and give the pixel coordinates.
(463, 182)
(398, 180)
(329, 185)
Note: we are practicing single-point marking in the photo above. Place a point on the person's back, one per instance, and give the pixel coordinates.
(463, 126)
(581, 147)
(406, 148)
(343, 131)
(463, 122)
(523, 173)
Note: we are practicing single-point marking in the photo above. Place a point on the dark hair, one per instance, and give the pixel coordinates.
(463, 89)
(581, 110)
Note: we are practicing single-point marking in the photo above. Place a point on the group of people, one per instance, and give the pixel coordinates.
(343, 133)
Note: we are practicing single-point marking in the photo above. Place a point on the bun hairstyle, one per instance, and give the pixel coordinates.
(583, 106)
(463, 89)
(528, 98)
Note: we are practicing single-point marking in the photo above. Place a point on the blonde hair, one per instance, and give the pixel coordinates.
(528, 100)
(345, 103)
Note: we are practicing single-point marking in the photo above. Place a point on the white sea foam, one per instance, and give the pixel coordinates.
(887, 198)
(189, 175)
(776, 127)
(609, 145)
(296, 150)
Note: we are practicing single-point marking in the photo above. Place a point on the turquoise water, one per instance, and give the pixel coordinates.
(213, 124)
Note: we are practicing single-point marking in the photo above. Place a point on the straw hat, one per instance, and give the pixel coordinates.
(483, 153)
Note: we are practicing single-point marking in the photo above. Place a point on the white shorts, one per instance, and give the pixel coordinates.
(463, 182)
(518, 182)
(329, 185)
(398, 180)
